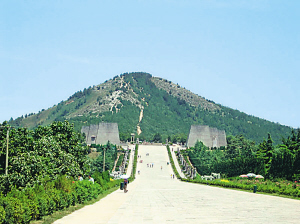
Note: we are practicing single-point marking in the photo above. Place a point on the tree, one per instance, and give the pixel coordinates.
(157, 138)
(265, 151)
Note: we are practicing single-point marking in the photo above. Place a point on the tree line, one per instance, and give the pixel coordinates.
(242, 156)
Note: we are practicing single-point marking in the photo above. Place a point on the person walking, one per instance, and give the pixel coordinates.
(125, 185)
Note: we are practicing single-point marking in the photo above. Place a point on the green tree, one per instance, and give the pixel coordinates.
(157, 138)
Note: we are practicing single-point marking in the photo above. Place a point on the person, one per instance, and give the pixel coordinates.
(91, 179)
(173, 176)
(80, 178)
(161, 167)
(125, 185)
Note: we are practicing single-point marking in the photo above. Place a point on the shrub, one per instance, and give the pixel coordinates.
(86, 190)
(2, 214)
(172, 163)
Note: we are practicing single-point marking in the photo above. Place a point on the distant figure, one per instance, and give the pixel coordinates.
(147, 164)
(125, 185)
(91, 179)
(161, 167)
(80, 178)
(138, 172)
(173, 176)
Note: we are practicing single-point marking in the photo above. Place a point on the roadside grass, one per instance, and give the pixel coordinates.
(60, 214)
(209, 183)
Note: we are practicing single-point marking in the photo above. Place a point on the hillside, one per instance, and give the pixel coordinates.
(145, 105)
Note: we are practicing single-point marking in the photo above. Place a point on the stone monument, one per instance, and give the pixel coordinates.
(101, 133)
(211, 137)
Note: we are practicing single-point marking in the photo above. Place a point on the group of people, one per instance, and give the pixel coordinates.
(150, 165)
(80, 178)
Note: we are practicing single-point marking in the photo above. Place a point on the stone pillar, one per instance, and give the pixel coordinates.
(132, 137)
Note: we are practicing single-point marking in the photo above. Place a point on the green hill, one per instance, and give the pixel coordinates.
(146, 105)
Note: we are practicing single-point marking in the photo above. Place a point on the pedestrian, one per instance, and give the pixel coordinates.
(91, 179)
(173, 176)
(80, 178)
(125, 185)
(161, 168)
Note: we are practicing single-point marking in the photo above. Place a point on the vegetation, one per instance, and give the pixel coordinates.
(172, 163)
(277, 187)
(48, 151)
(111, 153)
(167, 112)
(243, 156)
(43, 168)
(32, 203)
(136, 152)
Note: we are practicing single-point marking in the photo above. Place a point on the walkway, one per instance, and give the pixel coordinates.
(131, 158)
(176, 161)
(156, 198)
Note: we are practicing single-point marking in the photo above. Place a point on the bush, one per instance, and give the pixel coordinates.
(22, 206)
(86, 190)
(172, 163)
(2, 214)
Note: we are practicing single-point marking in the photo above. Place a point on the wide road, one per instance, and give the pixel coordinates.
(155, 197)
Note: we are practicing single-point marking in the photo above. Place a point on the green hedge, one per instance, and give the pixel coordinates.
(23, 206)
(280, 188)
(134, 163)
(172, 163)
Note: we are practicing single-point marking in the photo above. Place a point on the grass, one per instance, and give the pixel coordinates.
(60, 214)
(282, 188)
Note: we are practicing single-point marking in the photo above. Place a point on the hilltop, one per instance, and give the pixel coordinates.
(143, 104)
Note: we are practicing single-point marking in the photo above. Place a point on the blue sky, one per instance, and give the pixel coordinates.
(243, 54)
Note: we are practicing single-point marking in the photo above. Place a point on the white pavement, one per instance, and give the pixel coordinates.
(172, 149)
(156, 198)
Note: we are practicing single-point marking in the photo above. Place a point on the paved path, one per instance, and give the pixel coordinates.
(131, 158)
(172, 149)
(156, 198)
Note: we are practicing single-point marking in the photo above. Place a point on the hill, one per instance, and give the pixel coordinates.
(147, 105)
